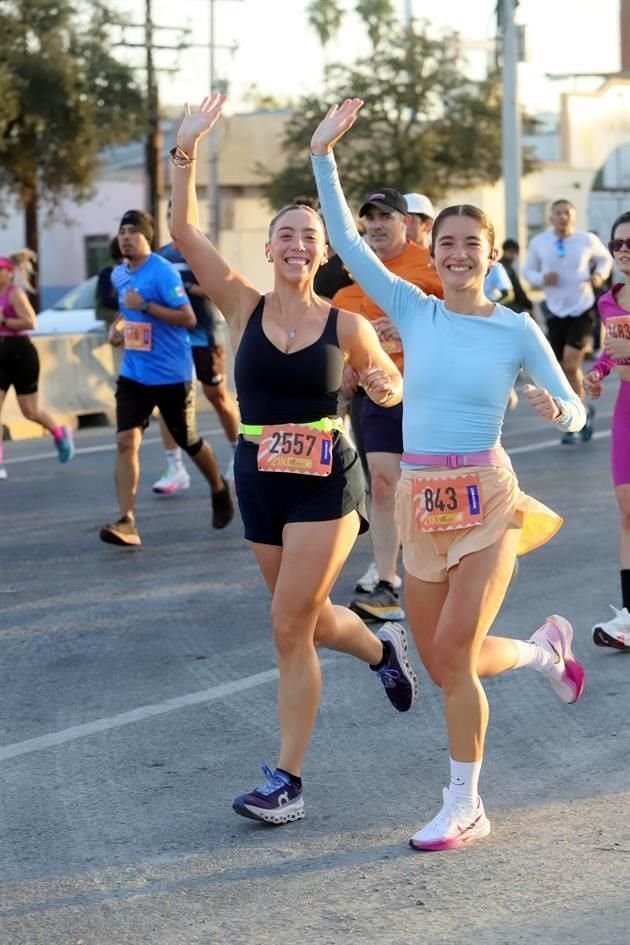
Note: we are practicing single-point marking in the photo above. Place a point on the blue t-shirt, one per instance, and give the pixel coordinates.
(202, 335)
(155, 352)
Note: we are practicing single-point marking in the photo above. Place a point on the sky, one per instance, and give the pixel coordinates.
(279, 54)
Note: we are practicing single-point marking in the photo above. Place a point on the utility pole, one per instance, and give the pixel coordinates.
(408, 14)
(511, 120)
(214, 191)
(153, 145)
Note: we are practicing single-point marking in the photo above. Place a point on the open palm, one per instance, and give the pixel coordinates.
(197, 124)
(338, 120)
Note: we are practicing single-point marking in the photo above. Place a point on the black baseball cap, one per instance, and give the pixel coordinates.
(384, 199)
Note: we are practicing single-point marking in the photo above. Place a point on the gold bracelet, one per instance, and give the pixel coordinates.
(180, 158)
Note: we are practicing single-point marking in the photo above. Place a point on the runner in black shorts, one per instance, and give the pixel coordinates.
(156, 372)
(290, 348)
(575, 332)
(19, 362)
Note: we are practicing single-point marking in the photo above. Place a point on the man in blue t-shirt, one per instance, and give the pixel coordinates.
(156, 371)
(209, 359)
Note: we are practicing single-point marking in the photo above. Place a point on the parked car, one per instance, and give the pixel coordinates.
(73, 314)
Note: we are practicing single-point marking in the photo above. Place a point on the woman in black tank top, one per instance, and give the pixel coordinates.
(298, 480)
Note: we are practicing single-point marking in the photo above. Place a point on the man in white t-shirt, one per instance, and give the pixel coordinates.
(569, 265)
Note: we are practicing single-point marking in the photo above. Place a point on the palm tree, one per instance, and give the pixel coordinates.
(325, 17)
(378, 15)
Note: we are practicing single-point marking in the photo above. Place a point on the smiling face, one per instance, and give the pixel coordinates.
(297, 244)
(462, 250)
(622, 256)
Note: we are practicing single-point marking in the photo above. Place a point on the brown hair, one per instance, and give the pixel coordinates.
(463, 210)
(296, 206)
(624, 218)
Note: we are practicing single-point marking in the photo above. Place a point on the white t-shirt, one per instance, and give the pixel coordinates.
(574, 259)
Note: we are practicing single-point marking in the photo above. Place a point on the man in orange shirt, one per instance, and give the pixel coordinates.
(385, 215)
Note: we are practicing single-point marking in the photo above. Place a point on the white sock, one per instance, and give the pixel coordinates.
(174, 458)
(534, 655)
(465, 779)
(234, 444)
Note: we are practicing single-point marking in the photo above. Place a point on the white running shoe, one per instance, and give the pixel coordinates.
(614, 633)
(567, 676)
(457, 824)
(368, 581)
(173, 479)
(3, 473)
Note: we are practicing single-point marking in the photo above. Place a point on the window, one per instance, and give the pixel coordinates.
(96, 253)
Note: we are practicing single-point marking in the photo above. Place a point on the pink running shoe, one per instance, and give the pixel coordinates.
(567, 677)
(457, 824)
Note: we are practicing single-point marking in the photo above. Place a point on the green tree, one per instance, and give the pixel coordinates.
(424, 127)
(379, 17)
(325, 17)
(63, 98)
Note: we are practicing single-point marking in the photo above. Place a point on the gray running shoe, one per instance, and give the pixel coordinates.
(122, 532)
(383, 603)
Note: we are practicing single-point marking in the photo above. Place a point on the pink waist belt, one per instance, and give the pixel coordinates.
(493, 457)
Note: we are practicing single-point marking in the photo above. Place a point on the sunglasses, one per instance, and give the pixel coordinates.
(560, 248)
(615, 246)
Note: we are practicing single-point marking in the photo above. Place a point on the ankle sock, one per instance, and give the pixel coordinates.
(465, 779)
(58, 434)
(625, 578)
(174, 458)
(292, 777)
(377, 667)
(534, 655)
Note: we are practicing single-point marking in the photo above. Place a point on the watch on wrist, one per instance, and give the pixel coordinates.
(145, 306)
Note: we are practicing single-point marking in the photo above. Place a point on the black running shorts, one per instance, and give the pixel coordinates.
(268, 501)
(572, 331)
(19, 365)
(176, 402)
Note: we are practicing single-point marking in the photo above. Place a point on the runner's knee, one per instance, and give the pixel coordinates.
(192, 449)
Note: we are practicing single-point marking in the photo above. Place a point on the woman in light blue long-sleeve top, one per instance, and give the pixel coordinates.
(462, 516)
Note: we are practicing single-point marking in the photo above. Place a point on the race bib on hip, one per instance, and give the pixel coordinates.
(445, 503)
(138, 336)
(618, 326)
(293, 448)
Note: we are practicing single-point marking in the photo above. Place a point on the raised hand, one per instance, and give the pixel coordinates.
(541, 400)
(338, 120)
(197, 124)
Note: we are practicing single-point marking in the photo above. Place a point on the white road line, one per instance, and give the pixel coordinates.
(545, 444)
(85, 450)
(138, 715)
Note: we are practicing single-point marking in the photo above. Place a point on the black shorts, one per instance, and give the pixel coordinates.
(573, 330)
(176, 402)
(268, 501)
(209, 364)
(19, 365)
(381, 428)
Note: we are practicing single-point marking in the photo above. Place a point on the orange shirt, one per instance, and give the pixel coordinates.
(414, 265)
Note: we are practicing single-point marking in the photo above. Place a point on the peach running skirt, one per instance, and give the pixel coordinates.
(429, 555)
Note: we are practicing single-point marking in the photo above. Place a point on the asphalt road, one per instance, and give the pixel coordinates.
(137, 697)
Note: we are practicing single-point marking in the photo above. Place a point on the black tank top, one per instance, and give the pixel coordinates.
(299, 387)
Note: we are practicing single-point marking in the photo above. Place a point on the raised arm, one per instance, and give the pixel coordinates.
(230, 291)
(390, 292)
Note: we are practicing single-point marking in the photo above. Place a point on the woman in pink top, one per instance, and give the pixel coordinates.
(19, 361)
(614, 310)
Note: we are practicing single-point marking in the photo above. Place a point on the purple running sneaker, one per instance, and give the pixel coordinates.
(277, 801)
(567, 677)
(397, 676)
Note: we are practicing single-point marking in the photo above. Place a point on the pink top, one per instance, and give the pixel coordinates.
(9, 312)
(617, 322)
